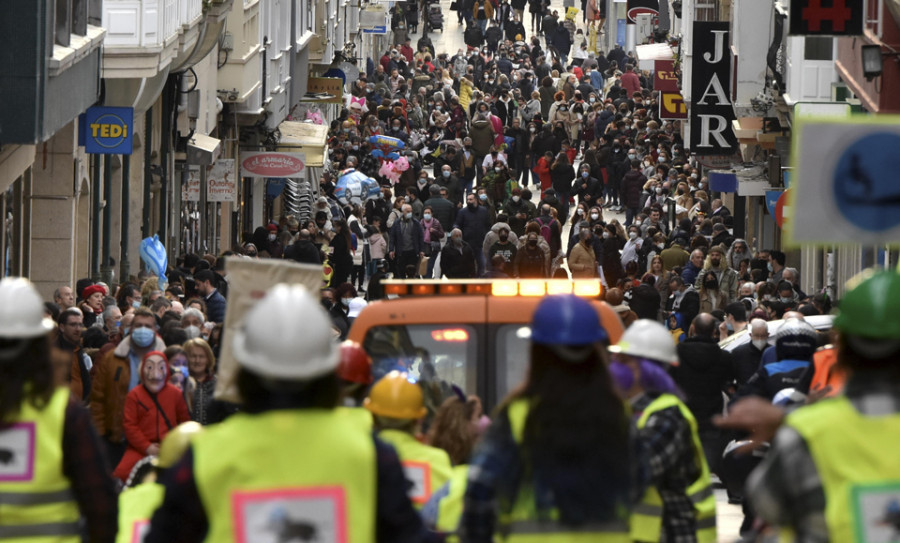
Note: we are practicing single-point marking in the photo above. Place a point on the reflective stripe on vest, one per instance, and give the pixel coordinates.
(36, 499)
(647, 517)
(306, 475)
(857, 461)
(426, 467)
(522, 524)
(136, 507)
(450, 507)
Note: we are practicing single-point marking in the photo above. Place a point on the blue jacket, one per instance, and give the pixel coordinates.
(597, 80)
(215, 307)
(689, 274)
(474, 224)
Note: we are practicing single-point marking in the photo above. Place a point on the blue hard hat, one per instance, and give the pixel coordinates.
(566, 320)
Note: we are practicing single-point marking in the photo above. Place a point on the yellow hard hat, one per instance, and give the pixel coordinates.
(394, 396)
(176, 443)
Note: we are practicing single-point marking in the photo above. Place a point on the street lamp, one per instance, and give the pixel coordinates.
(872, 62)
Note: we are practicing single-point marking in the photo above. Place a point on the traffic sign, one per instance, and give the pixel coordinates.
(772, 197)
(845, 182)
(378, 29)
(782, 209)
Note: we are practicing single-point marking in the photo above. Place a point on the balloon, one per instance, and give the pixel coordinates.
(392, 156)
(387, 141)
(378, 153)
(387, 171)
(154, 256)
(401, 164)
(354, 187)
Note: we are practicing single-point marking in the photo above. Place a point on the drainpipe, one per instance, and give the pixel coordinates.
(106, 266)
(165, 138)
(148, 176)
(95, 220)
(125, 266)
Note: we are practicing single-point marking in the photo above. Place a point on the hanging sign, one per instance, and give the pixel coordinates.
(641, 7)
(221, 181)
(664, 77)
(108, 130)
(711, 110)
(190, 190)
(827, 18)
(273, 164)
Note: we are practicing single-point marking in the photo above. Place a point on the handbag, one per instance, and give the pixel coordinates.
(453, 6)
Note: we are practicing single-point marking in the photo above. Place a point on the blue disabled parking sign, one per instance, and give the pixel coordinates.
(846, 181)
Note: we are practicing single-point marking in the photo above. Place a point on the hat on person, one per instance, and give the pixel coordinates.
(718, 249)
(92, 290)
(355, 308)
(272, 227)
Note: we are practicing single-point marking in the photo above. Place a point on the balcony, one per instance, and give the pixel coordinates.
(240, 77)
(145, 36)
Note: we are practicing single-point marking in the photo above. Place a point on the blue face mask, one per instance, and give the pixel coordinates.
(136, 304)
(769, 266)
(143, 337)
(584, 175)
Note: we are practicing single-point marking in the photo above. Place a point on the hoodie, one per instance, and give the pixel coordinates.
(148, 418)
(482, 134)
(729, 282)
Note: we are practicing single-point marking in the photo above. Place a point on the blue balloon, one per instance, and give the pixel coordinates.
(377, 153)
(392, 156)
(153, 253)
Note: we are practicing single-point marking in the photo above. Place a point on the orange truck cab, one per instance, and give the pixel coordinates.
(474, 334)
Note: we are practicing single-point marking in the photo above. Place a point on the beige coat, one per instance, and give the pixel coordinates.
(582, 262)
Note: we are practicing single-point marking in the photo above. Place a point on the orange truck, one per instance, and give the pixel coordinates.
(474, 334)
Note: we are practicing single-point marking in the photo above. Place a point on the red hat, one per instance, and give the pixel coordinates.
(272, 227)
(86, 293)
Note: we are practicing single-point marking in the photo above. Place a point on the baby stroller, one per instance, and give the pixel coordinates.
(434, 18)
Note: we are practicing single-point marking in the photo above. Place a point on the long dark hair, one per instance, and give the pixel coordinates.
(576, 440)
(26, 373)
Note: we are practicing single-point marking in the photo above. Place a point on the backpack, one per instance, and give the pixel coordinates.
(546, 231)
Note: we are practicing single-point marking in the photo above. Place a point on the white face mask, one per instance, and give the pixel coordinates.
(515, 198)
(427, 216)
(632, 235)
(760, 343)
(346, 302)
(271, 237)
(637, 223)
(594, 216)
(605, 235)
(580, 211)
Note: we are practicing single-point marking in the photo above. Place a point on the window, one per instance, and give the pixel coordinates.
(818, 48)
(63, 22)
(438, 355)
(513, 341)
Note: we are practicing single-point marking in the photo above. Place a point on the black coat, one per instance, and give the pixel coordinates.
(303, 251)
(746, 362)
(456, 264)
(562, 177)
(704, 372)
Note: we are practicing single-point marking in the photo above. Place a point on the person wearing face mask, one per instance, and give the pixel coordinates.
(151, 409)
(726, 278)
(117, 373)
(587, 187)
(747, 357)
(458, 257)
(632, 247)
(582, 261)
(407, 242)
(520, 210)
(711, 297)
(632, 183)
(473, 221)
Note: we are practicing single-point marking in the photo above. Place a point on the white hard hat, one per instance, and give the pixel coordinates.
(649, 339)
(21, 310)
(286, 335)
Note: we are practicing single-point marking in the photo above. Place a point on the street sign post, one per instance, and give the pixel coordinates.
(845, 188)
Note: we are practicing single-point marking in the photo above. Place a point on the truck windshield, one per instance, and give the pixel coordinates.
(437, 355)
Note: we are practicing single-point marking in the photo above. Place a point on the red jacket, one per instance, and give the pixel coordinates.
(145, 424)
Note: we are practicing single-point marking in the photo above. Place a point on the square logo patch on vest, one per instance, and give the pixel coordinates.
(17, 453)
(877, 512)
(290, 514)
(418, 474)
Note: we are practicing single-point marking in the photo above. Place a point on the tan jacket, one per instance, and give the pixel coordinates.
(582, 262)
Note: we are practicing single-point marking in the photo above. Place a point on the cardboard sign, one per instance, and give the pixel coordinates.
(221, 182)
(248, 282)
(329, 85)
(711, 110)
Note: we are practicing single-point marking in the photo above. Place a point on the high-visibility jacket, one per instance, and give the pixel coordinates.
(305, 475)
(827, 371)
(647, 517)
(136, 507)
(450, 506)
(426, 467)
(523, 524)
(36, 500)
(856, 457)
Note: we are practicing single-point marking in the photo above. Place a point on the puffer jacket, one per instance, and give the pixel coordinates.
(482, 134)
(148, 418)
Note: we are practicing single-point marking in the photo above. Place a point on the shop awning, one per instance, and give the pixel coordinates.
(306, 137)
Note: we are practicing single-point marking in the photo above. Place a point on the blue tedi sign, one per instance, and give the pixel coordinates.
(108, 130)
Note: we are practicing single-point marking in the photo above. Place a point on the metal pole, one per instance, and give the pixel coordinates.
(148, 175)
(125, 266)
(95, 220)
(164, 162)
(204, 219)
(106, 265)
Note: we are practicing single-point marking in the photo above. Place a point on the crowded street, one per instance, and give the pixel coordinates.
(476, 271)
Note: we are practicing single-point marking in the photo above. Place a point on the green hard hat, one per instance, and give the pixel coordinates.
(871, 308)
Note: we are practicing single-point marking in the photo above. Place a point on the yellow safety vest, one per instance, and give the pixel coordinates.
(304, 475)
(856, 457)
(450, 507)
(36, 500)
(426, 467)
(136, 507)
(524, 525)
(647, 517)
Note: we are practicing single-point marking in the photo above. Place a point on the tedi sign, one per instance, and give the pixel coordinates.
(711, 111)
